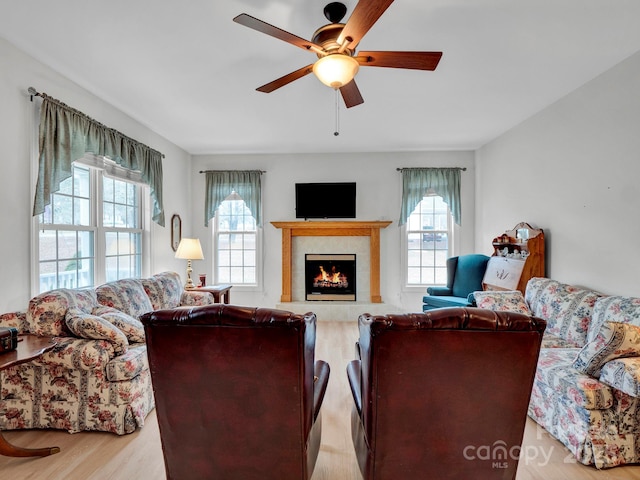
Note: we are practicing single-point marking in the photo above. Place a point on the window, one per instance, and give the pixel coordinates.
(236, 242)
(122, 233)
(428, 238)
(91, 232)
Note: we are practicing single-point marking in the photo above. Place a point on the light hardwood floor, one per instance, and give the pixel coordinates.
(98, 456)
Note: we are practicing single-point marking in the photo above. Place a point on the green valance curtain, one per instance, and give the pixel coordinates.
(67, 134)
(221, 183)
(416, 182)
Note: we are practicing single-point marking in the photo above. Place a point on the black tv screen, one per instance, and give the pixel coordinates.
(326, 200)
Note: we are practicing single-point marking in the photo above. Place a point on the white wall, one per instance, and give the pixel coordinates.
(19, 72)
(573, 170)
(379, 187)
(379, 190)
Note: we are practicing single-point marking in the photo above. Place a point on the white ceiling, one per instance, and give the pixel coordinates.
(188, 72)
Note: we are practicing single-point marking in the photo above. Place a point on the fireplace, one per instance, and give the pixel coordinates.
(330, 276)
(370, 229)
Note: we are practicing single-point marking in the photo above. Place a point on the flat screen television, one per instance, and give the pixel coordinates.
(326, 200)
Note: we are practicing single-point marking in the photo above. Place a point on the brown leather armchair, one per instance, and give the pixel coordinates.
(442, 394)
(238, 391)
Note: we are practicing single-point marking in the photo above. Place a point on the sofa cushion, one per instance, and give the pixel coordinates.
(614, 309)
(131, 327)
(155, 292)
(46, 312)
(553, 341)
(126, 295)
(555, 369)
(164, 289)
(502, 301)
(614, 340)
(623, 374)
(128, 365)
(90, 326)
(567, 309)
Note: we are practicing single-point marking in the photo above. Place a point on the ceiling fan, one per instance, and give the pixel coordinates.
(335, 45)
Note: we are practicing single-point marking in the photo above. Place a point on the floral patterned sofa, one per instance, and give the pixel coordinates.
(586, 391)
(97, 376)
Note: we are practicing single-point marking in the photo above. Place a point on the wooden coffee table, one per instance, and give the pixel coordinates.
(29, 347)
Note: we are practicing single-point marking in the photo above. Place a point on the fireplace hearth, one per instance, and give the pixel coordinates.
(330, 276)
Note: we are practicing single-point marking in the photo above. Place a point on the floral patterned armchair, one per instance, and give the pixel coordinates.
(97, 376)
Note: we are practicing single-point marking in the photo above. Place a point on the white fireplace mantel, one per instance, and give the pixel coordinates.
(332, 229)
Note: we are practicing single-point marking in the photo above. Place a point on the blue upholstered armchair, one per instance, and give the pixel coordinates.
(464, 276)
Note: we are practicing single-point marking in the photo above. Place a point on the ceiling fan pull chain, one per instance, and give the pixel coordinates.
(337, 130)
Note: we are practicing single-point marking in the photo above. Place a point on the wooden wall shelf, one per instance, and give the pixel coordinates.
(332, 229)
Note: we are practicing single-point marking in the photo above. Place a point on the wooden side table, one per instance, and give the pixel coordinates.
(29, 347)
(220, 293)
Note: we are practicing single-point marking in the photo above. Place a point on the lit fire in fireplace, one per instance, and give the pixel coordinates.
(333, 279)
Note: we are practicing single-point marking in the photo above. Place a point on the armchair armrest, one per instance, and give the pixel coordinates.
(440, 291)
(79, 353)
(16, 320)
(622, 374)
(353, 374)
(194, 298)
(320, 381)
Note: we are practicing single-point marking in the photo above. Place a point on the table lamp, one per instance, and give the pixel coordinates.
(189, 249)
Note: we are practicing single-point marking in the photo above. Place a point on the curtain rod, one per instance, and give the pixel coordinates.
(399, 169)
(34, 93)
(210, 171)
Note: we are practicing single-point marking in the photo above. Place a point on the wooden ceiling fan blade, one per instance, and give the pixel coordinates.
(411, 60)
(260, 26)
(351, 94)
(366, 13)
(286, 79)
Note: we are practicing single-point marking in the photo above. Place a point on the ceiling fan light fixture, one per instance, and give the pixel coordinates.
(336, 70)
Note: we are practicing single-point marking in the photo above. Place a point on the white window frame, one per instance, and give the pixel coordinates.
(99, 167)
(215, 232)
(404, 232)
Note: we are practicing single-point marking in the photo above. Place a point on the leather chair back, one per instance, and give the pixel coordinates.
(442, 394)
(235, 391)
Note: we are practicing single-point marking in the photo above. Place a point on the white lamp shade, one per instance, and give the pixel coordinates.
(336, 70)
(189, 249)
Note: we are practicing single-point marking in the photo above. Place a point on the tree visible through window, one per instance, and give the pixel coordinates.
(428, 242)
(236, 239)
